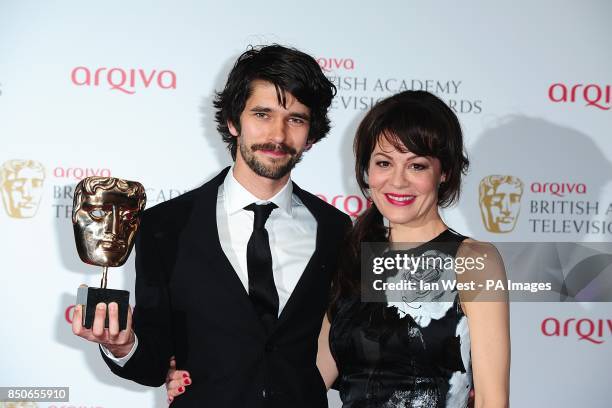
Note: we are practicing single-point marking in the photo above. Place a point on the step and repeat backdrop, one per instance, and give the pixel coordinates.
(125, 89)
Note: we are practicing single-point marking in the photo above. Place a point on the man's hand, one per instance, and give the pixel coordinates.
(119, 343)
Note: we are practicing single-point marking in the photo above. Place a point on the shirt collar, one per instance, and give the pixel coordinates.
(237, 197)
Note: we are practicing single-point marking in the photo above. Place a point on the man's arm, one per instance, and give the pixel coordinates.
(120, 361)
(152, 317)
(148, 363)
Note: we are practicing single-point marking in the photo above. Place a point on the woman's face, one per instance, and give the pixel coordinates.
(404, 186)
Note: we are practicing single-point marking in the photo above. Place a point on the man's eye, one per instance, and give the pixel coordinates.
(261, 115)
(297, 121)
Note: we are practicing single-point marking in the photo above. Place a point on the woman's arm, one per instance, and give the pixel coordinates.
(325, 362)
(488, 321)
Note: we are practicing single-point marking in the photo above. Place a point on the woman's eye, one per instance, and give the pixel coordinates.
(383, 163)
(418, 166)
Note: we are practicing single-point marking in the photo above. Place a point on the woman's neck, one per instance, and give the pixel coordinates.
(417, 231)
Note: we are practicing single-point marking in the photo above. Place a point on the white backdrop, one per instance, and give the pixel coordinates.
(530, 81)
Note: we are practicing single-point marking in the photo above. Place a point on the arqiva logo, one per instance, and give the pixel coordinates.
(590, 330)
(68, 313)
(331, 64)
(352, 205)
(558, 189)
(79, 173)
(591, 94)
(127, 81)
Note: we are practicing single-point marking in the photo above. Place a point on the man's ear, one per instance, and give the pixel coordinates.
(232, 129)
(309, 145)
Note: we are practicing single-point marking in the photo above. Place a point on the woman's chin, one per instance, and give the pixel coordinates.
(398, 219)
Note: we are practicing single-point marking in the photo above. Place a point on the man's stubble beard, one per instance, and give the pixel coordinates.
(274, 171)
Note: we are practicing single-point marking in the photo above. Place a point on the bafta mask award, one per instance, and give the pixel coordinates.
(105, 217)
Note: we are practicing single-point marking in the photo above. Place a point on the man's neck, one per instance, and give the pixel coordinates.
(261, 187)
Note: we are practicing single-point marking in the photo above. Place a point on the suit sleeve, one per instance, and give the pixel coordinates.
(152, 316)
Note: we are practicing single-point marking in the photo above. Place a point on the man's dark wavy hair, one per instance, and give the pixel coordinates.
(290, 71)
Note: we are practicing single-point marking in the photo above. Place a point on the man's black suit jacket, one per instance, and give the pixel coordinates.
(190, 303)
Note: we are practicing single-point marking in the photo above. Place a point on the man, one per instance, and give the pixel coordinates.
(233, 277)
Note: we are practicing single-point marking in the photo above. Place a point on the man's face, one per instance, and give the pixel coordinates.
(501, 207)
(22, 192)
(272, 137)
(105, 227)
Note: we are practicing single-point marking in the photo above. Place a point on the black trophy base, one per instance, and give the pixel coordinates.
(90, 297)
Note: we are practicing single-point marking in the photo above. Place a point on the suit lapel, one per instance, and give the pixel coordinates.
(314, 265)
(203, 234)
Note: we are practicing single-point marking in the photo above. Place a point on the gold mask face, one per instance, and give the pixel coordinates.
(500, 202)
(106, 217)
(21, 183)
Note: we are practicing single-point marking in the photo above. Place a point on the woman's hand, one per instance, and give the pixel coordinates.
(176, 381)
(325, 361)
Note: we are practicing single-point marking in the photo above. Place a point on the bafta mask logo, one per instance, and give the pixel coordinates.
(500, 202)
(105, 217)
(22, 187)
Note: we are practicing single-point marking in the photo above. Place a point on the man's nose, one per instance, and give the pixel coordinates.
(278, 131)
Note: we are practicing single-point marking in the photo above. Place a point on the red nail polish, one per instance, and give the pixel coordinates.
(181, 389)
(187, 381)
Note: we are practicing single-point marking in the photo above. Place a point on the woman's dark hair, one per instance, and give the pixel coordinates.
(289, 70)
(414, 121)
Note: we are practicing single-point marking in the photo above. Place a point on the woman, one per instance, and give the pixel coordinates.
(403, 352)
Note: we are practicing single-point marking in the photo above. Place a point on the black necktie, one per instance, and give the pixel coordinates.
(262, 290)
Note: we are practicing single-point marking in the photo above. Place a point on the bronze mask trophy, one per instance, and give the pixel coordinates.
(105, 217)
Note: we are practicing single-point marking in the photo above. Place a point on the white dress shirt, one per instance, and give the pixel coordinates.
(291, 229)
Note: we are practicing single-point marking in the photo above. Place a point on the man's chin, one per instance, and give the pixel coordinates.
(272, 168)
(271, 173)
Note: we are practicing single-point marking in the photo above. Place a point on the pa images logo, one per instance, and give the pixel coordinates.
(499, 198)
(21, 184)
